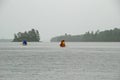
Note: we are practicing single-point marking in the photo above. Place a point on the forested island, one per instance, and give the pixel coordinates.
(112, 35)
(30, 36)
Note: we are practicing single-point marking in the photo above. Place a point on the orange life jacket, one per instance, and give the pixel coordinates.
(62, 44)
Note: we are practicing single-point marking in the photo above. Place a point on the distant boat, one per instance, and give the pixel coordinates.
(62, 44)
(24, 42)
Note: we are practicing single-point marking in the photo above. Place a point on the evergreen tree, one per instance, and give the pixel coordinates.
(103, 36)
(31, 36)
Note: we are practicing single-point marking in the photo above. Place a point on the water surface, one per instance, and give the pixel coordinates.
(48, 61)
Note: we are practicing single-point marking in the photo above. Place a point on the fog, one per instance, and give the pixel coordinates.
(57, 17)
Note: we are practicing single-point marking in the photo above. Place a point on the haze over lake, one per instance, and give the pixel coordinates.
(45, 20)
(57, 17)
(47, 61)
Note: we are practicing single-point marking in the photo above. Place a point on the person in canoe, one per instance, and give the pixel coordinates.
(62, 44)
(24, 42)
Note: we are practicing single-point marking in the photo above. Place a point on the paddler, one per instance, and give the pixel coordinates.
(62, 44)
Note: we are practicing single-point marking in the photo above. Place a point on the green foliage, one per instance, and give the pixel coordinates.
(30, 36)
(103, 36)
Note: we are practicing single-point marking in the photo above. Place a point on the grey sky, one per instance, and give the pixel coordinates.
(57, 17)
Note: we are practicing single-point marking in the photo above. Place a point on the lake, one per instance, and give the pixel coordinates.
(48, 61)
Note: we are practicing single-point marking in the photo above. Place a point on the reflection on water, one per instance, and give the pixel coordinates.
(47, 61)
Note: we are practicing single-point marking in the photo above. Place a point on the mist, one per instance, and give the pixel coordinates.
(53, 18)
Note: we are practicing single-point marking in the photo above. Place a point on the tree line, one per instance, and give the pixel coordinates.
(112, 35)
(30, 36)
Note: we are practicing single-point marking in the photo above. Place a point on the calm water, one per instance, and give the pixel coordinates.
(47, 61)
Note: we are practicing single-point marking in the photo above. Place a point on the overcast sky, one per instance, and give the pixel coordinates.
(57, 17)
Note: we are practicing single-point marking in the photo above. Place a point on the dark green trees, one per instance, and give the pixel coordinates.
(112, 35)
(30, 36)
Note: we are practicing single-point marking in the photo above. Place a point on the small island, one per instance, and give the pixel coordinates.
(30, 36)
(112, 35)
